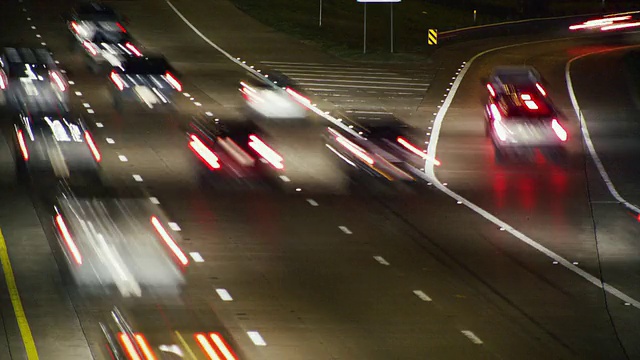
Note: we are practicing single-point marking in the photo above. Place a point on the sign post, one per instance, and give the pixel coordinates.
(364, 47)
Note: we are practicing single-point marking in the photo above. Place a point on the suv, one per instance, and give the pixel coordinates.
(31, 77)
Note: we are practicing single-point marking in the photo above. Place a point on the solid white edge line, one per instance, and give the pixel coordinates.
(585, 130)
(430, 173)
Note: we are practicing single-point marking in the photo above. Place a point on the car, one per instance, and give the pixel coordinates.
(379, 145)
(107, 50)
(510, 78)
(90, 18)
(147, 79)
(284, 101)
(237, 148)
(520, 119)
(116, 244)
(30, 77)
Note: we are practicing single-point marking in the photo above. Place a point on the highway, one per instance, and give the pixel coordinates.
(335, 270)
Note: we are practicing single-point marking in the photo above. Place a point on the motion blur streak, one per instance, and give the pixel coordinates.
(129, 347)
(266, 152)
(133, 49)
(206, 346)
(92, 146)
(23, 145)
(203, 152)
(355, 149)
(144, 345)
(117, 80)
(541, 89)
(416, 151)
(173, 81)
(58, 80)
(491, 91)
(169, 241)
(64, 231)
(620, 26)
(223, 346)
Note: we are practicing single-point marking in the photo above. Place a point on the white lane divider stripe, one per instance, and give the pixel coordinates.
(585, 130)
(471, 336)
(109, 140)
(99, 124)
(123, 158)
(285, 178)
(154, 200)
(224, 295)
(137, 178)
(421, 295)
(345, 230)
(174, 226)
(430, 174)
(381, 260)
(312, 202)
(196, 256)
(256, 338)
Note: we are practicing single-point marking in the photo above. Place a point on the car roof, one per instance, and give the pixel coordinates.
(148, 64)
(517, 104)
(95, 9)
(28, 56)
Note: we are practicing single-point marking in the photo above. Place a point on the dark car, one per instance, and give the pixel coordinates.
(30, 77)
(93, 18)
(284, 101)
(384, 147)
(54, 140)
(148, 79)
(236, 148)
(107, 50)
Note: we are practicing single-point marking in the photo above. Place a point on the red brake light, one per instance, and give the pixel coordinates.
(223, 347)
(492, 92)
(66, 236)
(75, 27)
(92, 146)
(58, 80)
(169, 241)
(117, 80)
(133, 49)
(204, 153)
(353, 148)
(206, 346)
(216, 348)
(620, 26)
(128, 346)
(559, 130)
(266, 152)
(415, 150)
(23, 145)
(541, 89)
(4, 82)
(90, 47)
(173, 81)
(121, 27)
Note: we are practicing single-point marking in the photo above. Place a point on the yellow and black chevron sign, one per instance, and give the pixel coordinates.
(432, 37)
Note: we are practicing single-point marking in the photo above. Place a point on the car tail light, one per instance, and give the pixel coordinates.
(620, 26)
(92, 146)
(214, 346)
(4, 82)
(121, 27)
(559, 130)
(204, 153)
(75, 27)
(353, 148)
(68, 240)
(173, 81)
(91, 47)
(266, 152)
(117, 80)
(131, 350)
(492, 92)
(541, 89)
(169, 241)
(58, 80)
(133, 49)
(23, 145)
(409, 146)
(501, 131)
(529, 102)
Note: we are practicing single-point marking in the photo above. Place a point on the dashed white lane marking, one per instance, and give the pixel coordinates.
(109, 140)
(71, 82)
(471, 336)
(174, 226)
(99, 124)
(123, 158)
(90, 111)
(312, 202)
(256, 338)
(33, 27)
(28, 19)
(197, 104)
(208, 113)
(186, 94)
(285, 178)
(298, 189)
(345, 230)
(224, 295)
(154, 200)
(137, 177)
(196, 256)
(45, 44)
(430, 174)
(78, 93)
(381, 260)
(421, 295)
(585, 130)
(86, 105)
(38, 36)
